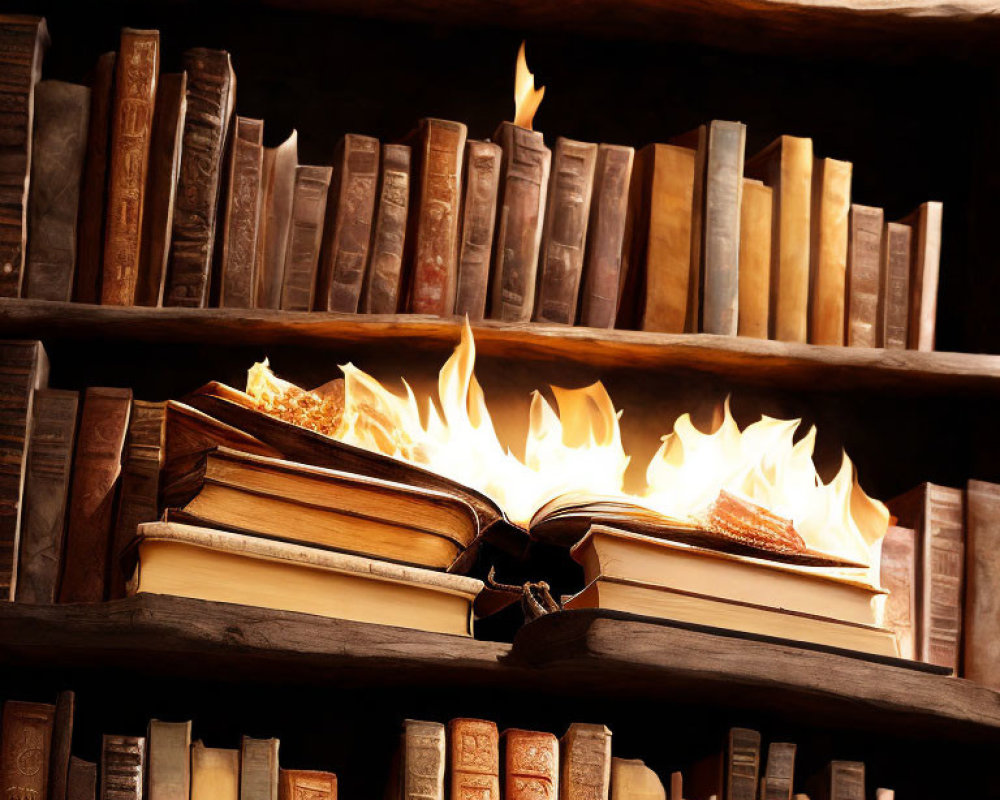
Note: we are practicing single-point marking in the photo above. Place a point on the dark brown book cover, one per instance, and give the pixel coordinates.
(894, 292)
(169, 757)
(384, 278)
(25, 746)
(479, 214)
(925, 263)
(62, 111)
(779, 774)
(898, 575)
(237, 281)
(841, 780)
(23, 40)
(62, 743)
(564, 234)
(864, 245)
(211, 89)
(277, 194)
(302, 784)
(259, 769)
(981, 651)
(82, 783)
(96, 469)
(585, 773)
(731, 774)
(123, 762)
(305, 234)
(131, 136)
(350, 207)
(531, 765)
(46, 490)
(474, 759)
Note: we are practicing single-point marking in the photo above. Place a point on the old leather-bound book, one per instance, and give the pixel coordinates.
(164, 169)
(779, 774)
(981, 652)
(606, 236)
(305, 234)
(93, 193)
(277, 194)
(831, 203)
(898, 575)
(25, 746)
(438, 147)
(474, 759)
(841, 780)
(302, 784)
(46, 490)
(894, 292)
(564, 235)
(531, 765)
(755, 259)
(23, 40)
(82, 782)
(131, 135)
(924, 266)
(211, 89)
(479, 214)
(215, 773)
(585, 773)
(96, 469)
(236, 279)
(731, 774)
(62, 743)
(384, 277)
(347, 229)
(259, 769)
(422, 761)
(61, 114)
(631, 779)
(123, 765)
(169, 758)
(862, 280)
(786, 166)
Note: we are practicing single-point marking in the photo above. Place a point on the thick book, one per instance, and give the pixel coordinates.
(473, 759)
(730, 774)
(981, 642)
(384, 278)
(564, 235)
(62, 743)
(350, 208)
(236, 279)
(779, 773)
(96, 469)
(862, 281)
(841, 780)
(259, 769)
(169, 758)
(606, 236)
(303, 784)
(898, 576)
(892, 320)
(531, 765)
(631, 779)
(755, 259)
(305, 234)
(277, 194)
(82, 781)
(131, 135)
(123, 766)
(479, 214)
(420, 763)
(215, 773)
(786, 165)
(25, 747)
(62, 112)
(831, 204)
(46, 491)
(211, 89)
(925, 262)
(585, 771)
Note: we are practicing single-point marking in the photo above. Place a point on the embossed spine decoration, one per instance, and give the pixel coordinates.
(531, 765)
(304, 235)
(586, 763)
(25, 744)
(384, 279)
(277, 195)
(475, 759)
(123, 761)
(423, 757)
(479, 214)
(239, 239)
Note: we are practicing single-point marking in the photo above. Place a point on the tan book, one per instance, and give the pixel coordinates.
(82, 780)
(259, 769)
(277, 195)
(981, 640)
(384, 277)
(123, 767)
(474, 759)
(831, 203)
(25, 747)
(841, 780)
(898, 576)
(893, 323)
(215, 773)
(301, 784)
(169, 760)
(422, 761)
(237, 281)
(755, 259)
(305, 234)
(631, 779)
(585, 773)
(862, 282)
(924, 267)
(479, 213)
(531, 765)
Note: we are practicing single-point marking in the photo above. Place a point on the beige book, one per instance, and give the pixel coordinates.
(215, 773)
(755, 259)
(831, 205)
(586, 762)
(631, 779)
(168, 760)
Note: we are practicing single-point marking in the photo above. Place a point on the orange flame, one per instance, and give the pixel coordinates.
(526, 97)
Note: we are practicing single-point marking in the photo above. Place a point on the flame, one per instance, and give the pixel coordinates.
(526, 97)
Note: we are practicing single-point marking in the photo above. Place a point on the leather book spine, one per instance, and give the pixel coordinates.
(894, 295)
(942, 568)
(474, 749)
(524, 180)
(779, 775)
(277, 194)
(237, 280)
(347, 229)
(831, 203)
(423, 761)
(169, 757)
(60, 138)
(82, 781)
(898, 574)
(631, 277)
(564, 235)
(531, 765)
(25, 748)
(46, 489)
(846, 780)
(606, 236)
(384, 278)
(23, 40)
(300, 784)
(93, 193)
(925, 265)
(743, 764)
(862, 281)
(211, 88)
(96, 469)
(259, 769)
(305, 232)
(131, 135)
(586, 763)
(62, 743)
(981, 651)
(479, 214)
(215, 773)
(123, 763)
(755, 259)
(164, 168)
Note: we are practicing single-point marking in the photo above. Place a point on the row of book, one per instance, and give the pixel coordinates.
(147, 190)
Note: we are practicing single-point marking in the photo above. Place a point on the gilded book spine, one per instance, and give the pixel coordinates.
(586, 763)
(743, 764)
(981, 652)
(25, 746)
(423, 762)
(169, 760)
(131, 133)
(479, 213)
(123, 761)
(863, 254)
(893, 306)
(475, 759)
(299, 784)
(385, 272)
(277, 194)
(259, 769)
(531, 765)
(779, 775)
(239, 236)
(304, 236)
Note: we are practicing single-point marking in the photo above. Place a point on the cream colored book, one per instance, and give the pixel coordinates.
(755, 259)
(215, 773)
(831, 205)
(631, 779)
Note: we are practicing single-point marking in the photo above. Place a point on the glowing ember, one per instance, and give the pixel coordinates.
(526, 97)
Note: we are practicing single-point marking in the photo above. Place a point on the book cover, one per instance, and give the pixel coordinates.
(479, 213)
(305, 233)
(531, 765)
(585, 772)
(215, 773)
(755, 259)
(384, 278)
(925, 263)
(862, 281)
(259, 769)
(25, 748)
(474, 759)
(422, 760)
(981, 643)
(898, 575)
(831, 203)
(301, 784)
(236, 279)
(169, 768)
(123, 765)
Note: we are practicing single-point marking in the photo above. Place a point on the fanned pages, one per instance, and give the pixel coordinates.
(479, 213)
(925, 264)
(894, 293)
(277, 195)
(755, 259)
(384, 278)
(237, 280)
(863, 254)
(305, 233)
(831, 202)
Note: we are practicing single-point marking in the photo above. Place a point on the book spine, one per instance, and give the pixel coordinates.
(831, 203)
(215, 773)
(531, 765)
(863, 254)
(305, 233)
(169, 760)
(82, 781)
(259, 769)
(25, 749)
(631, 279)
(297, 784)
(847, 780)
(423, 759)
(924, 276)
(779, 776)
(239, 235)
(943, 567)
(743, 765)
(475, 759)
(898, 574)
(893, 305)
(385, 272)
(61, 114)
(131, 133)
(755, 259)
(123, 762)
(586, 763)
(62, 742)
(981, 653)
(210, 97)
(277, 195)
(564, 236)
(479, 214)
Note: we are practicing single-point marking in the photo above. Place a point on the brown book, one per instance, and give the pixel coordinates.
(46, 490)
(841, 780)
(479, 214)
(531, 765)
(384, 277)
(211, 89)
(981, 650)
(259, 769)
(474, 759)
(215, 773)
(894, 289)
(586, 762)
(82, 782)
(93, 193)
(898, 575)
(862, 280)
(164, 169)
(347, 229)
(25, 747)
(422, 761)
(564, 236)
(786, 166)
(524, 181)
(631, 779)
(60, 140)
(731, 774)
(237, 281)
(831, 203)
(779, 774)
(606, 236)
(755, 259)
(277, 193)
(131, 136)
(62, 743)
(169, 745)
(24, 368)
(305, 234)
(925, 262)
(96, 468)
(23, 40)
(676, 786)
(123, 765)
(302, 784)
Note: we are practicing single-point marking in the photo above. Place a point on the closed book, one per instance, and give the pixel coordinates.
(305, 233)
(211, 89)
(697, 141)
(169, 745)
(384, 277)
(215, 773)
(123, 765)
(893, 323)
(779, 774)
(676, 786)
(631, 779)
(46, 491)
(981, 643)
(606, 236)
(585, 771)
(277, 194)
(831, 203)
(898, 576)
(96, 469)
(422, 761)
(474, 759)
(62, 743)
(479, 214)
(62, 111)
(259, 769)
(347, 229)
(841, 780)
(301, 784)
(531, 765)
(236, 279)
(131, 135)
(564, 236)
(25, 747)
(82, 782)
(755, 259)
(730, 774)
(925, 262)
(862, 281)
(786, 166)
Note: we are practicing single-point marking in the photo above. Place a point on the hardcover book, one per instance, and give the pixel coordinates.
(831, 203)
(894, 290)
(259, 769)
(237, 280)
(779, 774)
(863, 255)
(841, 780)
(924, 267)
(25, 747)
(479, 213)
(301, 784)
(215, 773)
(731, 774)
(531, 765)
(277, 195)
(305, 233)
(384, 278)
(631, 779)
(123, 765)
(82, 782)
(474, 759)
(585, 773)
(169, 745)
(981, 650)
(421, 761)
(898, 576)
(755, 259)
(62, 743)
